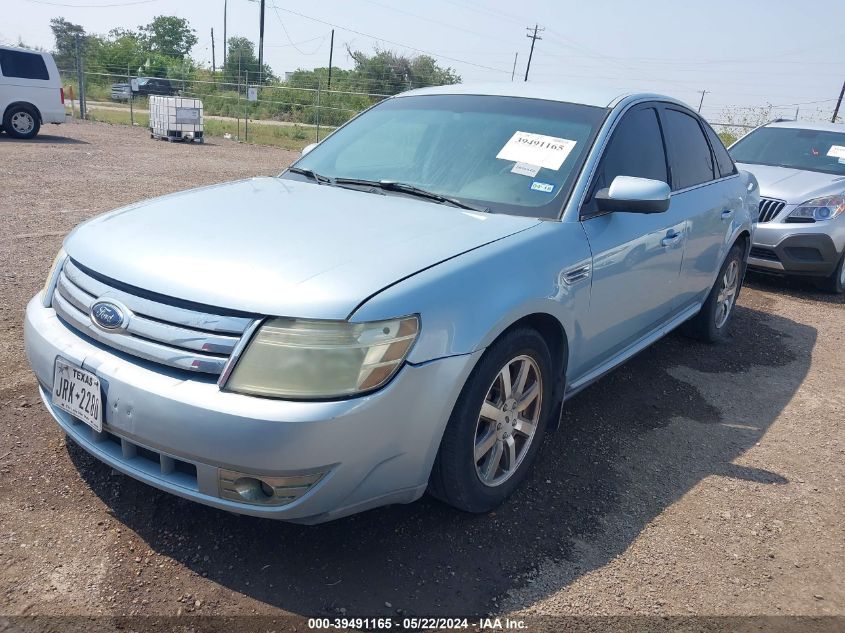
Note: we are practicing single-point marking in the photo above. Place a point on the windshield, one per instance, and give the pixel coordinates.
(813, 150)
(506, 154)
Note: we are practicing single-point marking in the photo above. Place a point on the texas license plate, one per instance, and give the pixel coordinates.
(78, 392)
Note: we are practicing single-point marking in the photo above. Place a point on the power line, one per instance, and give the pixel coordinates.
(381, 39)
(292, 43)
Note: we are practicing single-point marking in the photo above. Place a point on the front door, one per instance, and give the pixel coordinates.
(636, 257)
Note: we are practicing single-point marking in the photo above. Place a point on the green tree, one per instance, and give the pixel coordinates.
(65, 34)
(386, 72)
(123, 50)
(242, 64)
(169, 35)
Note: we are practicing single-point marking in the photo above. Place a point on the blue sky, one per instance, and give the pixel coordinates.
(745, 54)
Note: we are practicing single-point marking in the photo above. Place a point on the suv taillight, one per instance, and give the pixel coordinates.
(62, 95)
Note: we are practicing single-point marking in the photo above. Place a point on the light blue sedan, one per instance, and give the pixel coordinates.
(403, 310)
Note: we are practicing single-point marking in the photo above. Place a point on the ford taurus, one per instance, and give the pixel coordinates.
(402, 310)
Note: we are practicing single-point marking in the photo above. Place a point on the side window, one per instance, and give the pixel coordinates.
(723, 160)
(635, 149)
(23, 65)
(690, 157)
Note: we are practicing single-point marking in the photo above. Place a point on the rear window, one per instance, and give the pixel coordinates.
(23, 65)
(692, 162)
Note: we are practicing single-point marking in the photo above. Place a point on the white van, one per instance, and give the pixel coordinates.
(30, 91)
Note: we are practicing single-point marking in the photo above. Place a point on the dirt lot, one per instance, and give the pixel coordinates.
(693, 480)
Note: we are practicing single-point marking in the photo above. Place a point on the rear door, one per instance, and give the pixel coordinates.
(707, 195)
(636, 257)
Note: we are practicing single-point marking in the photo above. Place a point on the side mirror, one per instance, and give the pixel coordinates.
(627, 194)
(308, 148)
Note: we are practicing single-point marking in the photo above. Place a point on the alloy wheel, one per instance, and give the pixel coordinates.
(727, 293)
(22, 122)
(508, 420)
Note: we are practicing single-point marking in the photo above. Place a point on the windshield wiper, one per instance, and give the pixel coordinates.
(313, 175)
(413, 190)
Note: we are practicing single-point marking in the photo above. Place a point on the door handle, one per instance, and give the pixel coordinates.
(727, 213)
(672, 238)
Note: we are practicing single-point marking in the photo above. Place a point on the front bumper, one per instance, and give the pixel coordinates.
(373, 450)
(812, 249)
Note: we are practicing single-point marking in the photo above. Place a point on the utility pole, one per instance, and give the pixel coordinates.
(331, 52)
(534, 39)
(838, 103)
(80, 79)
(224, 33)
(213, 60)
(261, 42)
(701, 101)
(515, 57)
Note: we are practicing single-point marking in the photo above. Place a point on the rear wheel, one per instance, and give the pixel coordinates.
(21, 122)
(836, 282)
(497, 425)
(711, 323)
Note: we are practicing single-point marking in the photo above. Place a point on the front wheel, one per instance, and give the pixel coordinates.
(497, 425)
(711, 323)
(836, 282)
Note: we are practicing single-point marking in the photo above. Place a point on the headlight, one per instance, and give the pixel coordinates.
(819, 209)
(303, 359)
(52, 277)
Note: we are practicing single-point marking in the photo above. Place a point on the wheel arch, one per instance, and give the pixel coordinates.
(27, 105)
(554, 334)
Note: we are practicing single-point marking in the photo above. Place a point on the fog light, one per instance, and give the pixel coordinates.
(262, 490)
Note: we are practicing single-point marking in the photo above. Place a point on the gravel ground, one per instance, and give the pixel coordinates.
(694, 480)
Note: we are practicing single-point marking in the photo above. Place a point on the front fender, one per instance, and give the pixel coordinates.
(468, 301)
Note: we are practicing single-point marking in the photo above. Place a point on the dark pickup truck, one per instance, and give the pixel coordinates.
(146, 86)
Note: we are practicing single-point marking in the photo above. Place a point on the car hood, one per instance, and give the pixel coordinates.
(279, 247)
(794, 185)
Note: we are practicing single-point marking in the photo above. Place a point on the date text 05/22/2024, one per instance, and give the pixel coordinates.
(416, 624)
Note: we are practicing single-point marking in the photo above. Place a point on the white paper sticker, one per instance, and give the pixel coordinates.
(836, 151)
(536, 149)
(524, 169)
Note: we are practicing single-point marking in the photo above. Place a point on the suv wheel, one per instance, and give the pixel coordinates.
(836, 282)
(21, 122)
(711, 323)
(497, 425)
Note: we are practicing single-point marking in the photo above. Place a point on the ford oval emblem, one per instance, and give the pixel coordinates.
(107, 315)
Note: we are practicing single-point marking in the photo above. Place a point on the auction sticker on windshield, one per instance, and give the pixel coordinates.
(536, 149)
(836, 151)
(78, 392)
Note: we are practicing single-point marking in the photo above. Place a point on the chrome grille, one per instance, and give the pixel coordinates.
(769, 209)
(159, 332)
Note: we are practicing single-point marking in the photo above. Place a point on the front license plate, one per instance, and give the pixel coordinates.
(78, 392)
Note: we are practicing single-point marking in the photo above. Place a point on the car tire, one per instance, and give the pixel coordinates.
(21, 121)
(711, 324)
(836, 282)
(480, 430)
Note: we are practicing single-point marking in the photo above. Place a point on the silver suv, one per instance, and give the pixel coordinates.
(801, 171)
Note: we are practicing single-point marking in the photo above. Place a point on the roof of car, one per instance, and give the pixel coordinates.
(23, 50)
(808, 125)
(568, 93)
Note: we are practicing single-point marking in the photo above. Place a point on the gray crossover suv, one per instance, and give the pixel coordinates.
(801, 171)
